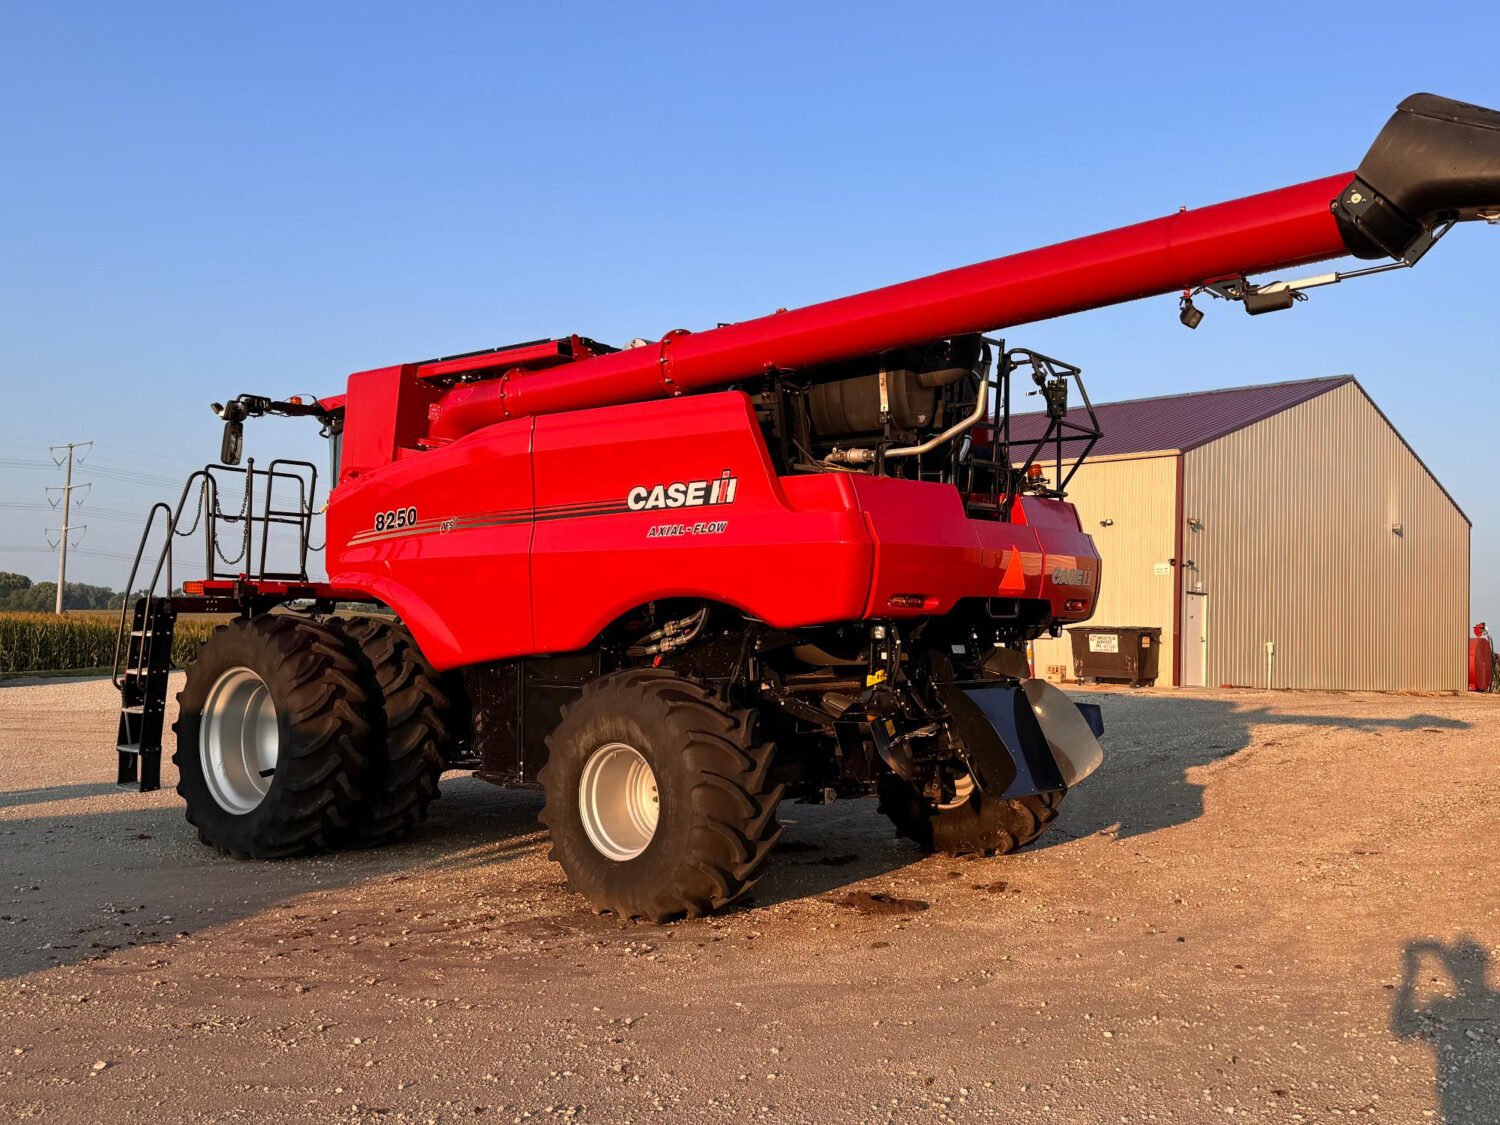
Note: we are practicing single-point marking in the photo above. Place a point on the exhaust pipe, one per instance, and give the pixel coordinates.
(1436, 162)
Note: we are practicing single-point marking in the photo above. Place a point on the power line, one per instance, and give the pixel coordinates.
(104, 469)
(133, 476)
(66, 456)
(108, 448)
(138, 519)
(279, 537)
(119, 515)
(165, 458)
(90, 552)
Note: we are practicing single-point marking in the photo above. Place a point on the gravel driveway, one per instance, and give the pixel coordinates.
(1277, 906)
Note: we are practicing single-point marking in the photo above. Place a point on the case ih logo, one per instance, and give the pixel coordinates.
(682, 494)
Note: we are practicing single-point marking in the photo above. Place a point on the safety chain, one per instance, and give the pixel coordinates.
(243, 516)
(202, 503)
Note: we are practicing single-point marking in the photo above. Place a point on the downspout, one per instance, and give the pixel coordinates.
(1177, 569)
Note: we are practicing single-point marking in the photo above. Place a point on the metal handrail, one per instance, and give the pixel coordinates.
(116, 671)
(300, 518)
(992, 478)
(209, 517)
(174, 519)
(307, 491)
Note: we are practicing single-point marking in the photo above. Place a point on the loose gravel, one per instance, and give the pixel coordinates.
(1281, 907)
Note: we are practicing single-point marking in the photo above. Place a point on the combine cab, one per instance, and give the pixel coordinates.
(675, 583)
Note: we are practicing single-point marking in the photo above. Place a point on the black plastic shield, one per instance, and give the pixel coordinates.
(1437, 160)
(1008, 753)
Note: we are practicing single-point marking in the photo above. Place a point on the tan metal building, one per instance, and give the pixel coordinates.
(1281, 535)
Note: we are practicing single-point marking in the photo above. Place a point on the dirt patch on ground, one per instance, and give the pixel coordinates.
(1283, 906)
(873, 902)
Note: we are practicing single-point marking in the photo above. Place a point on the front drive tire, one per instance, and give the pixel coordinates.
(272, 743)
(415, 734)
(657, 797)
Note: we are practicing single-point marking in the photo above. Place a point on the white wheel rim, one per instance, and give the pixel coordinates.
(239, 741)
(963, 789)
(617, 801)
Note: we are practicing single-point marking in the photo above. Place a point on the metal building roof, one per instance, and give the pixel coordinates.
(1182, 422)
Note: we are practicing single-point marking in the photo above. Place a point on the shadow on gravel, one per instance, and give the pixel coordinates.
(1143, 784)
(82, 885)
(55, 793)
(825, 848)
(1445, 1000)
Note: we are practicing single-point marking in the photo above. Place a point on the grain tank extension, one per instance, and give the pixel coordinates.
(677, 582)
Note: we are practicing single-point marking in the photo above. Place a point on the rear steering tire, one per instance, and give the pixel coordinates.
(657, 798)
(980, 825)
(272, 741)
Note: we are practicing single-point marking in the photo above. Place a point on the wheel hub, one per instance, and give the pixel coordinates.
(617, 801)
(963, 789)
(240, 741)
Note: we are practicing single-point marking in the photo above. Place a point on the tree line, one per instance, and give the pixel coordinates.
(20, 594)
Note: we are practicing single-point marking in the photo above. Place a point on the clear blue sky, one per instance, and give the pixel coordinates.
(201, 199)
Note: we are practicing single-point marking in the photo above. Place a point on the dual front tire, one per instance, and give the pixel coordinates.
(297, 735)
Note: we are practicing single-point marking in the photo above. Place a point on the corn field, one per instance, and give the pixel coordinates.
(45, 642)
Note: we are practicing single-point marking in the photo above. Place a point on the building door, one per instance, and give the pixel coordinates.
(1194, 638)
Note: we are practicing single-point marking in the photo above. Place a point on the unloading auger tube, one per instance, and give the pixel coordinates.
(1436, 162)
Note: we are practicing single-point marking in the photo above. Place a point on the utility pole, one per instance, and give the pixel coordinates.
(66, 505)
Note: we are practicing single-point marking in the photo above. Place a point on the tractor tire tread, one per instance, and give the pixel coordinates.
(414, 730)
(323, 757)
(733, 810)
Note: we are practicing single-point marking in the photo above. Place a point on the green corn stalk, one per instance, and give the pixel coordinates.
(45, 642)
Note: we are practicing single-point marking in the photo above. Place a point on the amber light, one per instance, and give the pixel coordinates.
(1034, 472)
(195, 589)
(1073, 604)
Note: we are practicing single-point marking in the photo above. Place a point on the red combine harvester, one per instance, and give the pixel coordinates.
(676, 582)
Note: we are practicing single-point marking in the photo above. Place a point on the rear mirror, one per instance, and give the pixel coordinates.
(234, 442)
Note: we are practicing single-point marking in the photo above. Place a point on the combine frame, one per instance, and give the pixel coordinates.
(674, 583)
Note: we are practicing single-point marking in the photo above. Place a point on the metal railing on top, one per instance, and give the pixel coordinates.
(297, 477)
(990, 465)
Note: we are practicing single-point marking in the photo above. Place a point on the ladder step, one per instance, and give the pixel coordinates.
(143, 683)
(142, 769)
(141, 669)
